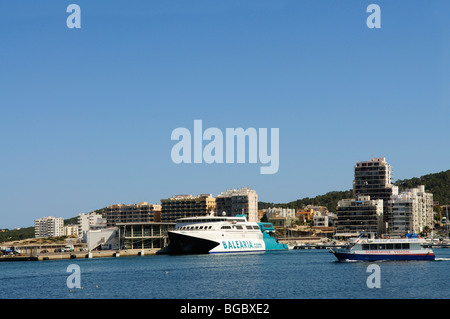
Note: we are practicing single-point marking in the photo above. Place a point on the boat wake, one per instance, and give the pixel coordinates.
(442, 259)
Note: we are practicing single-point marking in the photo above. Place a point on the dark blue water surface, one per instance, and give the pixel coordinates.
(290, 274)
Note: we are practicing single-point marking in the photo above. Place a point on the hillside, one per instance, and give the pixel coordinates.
(437, 183)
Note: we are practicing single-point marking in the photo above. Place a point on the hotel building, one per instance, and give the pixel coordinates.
(134, 213)
(410, 211)
(357, 215)
(238, 201)
(49, 227)
(180, 206)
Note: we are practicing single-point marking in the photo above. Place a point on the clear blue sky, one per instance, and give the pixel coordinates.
(87, 114)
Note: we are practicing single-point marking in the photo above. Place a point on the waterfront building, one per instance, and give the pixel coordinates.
(49, 227)
(180, 206)
(144, 235)
(373, 178)
(275, 212)
(243, 201)
(134, 213)
(410, 211)
(102, 238)
(357, 215)
(89, 221)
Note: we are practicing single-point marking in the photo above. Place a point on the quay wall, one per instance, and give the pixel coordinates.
(82, 254)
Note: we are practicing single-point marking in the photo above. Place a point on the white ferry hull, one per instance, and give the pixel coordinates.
(221, 237)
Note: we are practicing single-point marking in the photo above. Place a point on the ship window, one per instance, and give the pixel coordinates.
(373, 246)
(389, 246)
(405, 246)
(397, 246)
(238, 227)
(256, 227)
(365, 246)
(200, 227)
(249, 227)
(381, 246)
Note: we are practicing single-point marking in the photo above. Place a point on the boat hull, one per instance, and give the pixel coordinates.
(185, 244)
(343, 256)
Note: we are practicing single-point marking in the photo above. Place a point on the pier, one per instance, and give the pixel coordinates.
(81, 255)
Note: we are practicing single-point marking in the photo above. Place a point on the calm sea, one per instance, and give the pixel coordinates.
(295, 274)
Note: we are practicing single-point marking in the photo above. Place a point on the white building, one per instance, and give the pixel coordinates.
(71, 230)
(49, 227)
(410, 211)
(321, 220)
(274, 212)
(89, 221)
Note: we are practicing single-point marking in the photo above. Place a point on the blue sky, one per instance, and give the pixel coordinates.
(87, 114)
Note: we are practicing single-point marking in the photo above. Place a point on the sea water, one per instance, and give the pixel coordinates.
(293, 274)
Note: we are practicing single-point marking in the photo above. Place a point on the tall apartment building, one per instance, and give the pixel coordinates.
(49, 227)
(180, 206)
(134, 213)
(238, 201)
(410, 211)
(357, 215)
(374, 178)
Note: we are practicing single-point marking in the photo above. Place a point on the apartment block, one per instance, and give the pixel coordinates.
(357, 215)
(49, 227)
(238, 201)
(410, 211)
(374, 178)
(180, 206)
(133, 213)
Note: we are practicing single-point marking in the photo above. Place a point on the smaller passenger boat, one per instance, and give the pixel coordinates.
(367, 247)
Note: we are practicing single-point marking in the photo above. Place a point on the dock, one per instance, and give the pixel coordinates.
(81, 255)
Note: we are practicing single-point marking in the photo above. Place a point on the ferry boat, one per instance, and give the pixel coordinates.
(221, 234)
(366, 247)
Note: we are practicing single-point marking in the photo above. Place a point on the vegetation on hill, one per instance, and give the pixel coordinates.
(17, 234)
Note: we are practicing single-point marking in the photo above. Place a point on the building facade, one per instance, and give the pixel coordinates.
(410, 211)
(181, 206)
(134, 213)
(273, 212)
(357, 215)
(238, 201)
(89, 221)
(49, 227)
(374, 178)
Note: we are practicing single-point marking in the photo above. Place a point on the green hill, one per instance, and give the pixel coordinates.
(437, 183)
